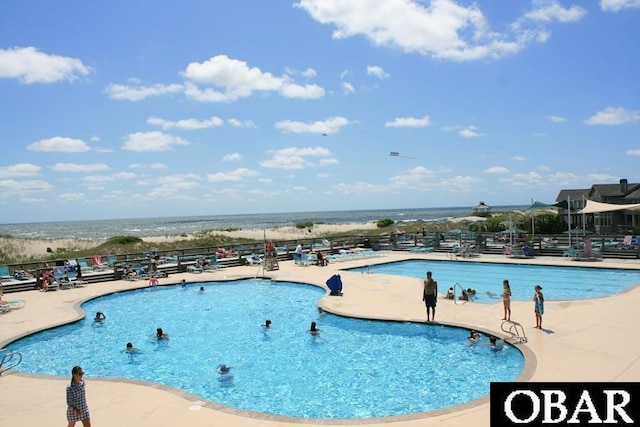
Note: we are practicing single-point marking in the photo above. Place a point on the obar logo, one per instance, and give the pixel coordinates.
(565, 404)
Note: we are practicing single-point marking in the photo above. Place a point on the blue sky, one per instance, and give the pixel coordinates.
(134, 109)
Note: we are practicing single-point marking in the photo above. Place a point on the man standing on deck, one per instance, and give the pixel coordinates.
(429, 296)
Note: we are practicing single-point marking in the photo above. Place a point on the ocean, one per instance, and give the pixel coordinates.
(173, 226)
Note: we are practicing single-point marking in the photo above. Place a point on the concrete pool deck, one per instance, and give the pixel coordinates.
(585, 340)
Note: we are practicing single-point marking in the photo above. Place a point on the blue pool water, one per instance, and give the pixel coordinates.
(559, 283)
(354, 369)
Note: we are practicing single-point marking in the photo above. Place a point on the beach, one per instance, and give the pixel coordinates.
(35, 248)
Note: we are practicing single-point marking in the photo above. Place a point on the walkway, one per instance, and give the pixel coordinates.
(590, 340)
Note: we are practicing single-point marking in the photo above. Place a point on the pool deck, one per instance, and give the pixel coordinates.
(587, 340)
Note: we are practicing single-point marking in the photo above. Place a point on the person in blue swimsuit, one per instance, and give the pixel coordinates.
(538, 300)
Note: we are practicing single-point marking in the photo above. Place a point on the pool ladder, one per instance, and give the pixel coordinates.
(515, 331)
(10, 360)
(457, 286)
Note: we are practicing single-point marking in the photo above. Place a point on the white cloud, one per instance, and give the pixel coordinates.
(556, 119)
(611, 116)
(442, 29)
(74, 167)
(28, 65)
(241, 123)
(187, 124)
(469, 132)
(59, 144)
(347, 88)
(460, 183)
(411, 122)
(124, 175)
(172, 185)
(377, 71)
(151, 141)
(618, 5)
(233, 79)
(518, 158)
(299, 158)
(497, 170)
(233, 176)
(328, 126)
(136, 92)
(19, 170)
(309, 73)
(19, 187)
(232, 157)
(551, 10)
(634, 152)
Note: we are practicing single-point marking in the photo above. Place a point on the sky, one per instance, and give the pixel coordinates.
(125, 109)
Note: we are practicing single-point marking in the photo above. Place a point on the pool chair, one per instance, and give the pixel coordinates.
(140, 272)
(194, 269)
(5, 274)
(627, 242)
(72, 277)
(98, 264)
(82, 262)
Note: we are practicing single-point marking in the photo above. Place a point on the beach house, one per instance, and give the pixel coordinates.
(611, 219)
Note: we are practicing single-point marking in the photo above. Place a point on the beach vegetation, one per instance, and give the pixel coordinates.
(304, 224)
(386, 222)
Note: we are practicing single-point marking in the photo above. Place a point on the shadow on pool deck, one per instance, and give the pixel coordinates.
(577, 336)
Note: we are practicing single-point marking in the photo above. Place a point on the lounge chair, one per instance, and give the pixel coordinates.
(194, 269)
(5, 274)
(627, 242)
(98, 264)
(111, 261)
(82, 262)
(140, 273)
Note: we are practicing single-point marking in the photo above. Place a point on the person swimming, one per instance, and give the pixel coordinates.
(161, 335)
(473, 337)
(129, 348)
(267, 324)
(313, 330)
(201, 288)
(99, 317)
(223, 369)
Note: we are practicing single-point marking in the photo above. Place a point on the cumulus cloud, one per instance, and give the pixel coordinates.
(377, 71)
(411, 122)
(75, 167)
(469, 132)
(442, 29)
(347, 88)
(12, 186)
(611, 116)
(136, 92)
(551, 10)
(299, 158)
(233, 176)
(634, 152)
(328, 126)
(556, 119)
(226, 79)
(151, 141)
(186, 124)
(618, 5)
(497, 170)
(59, 144)
(232, 157)
(241, 123)
(29, 65)
(19, 170)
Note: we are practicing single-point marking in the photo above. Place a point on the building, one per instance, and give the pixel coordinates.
(482, 209)
(618, 221)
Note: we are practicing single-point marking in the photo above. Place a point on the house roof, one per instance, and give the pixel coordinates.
(572, 194)
(613, 190)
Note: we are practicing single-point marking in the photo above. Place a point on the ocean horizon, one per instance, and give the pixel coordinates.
(173, 226)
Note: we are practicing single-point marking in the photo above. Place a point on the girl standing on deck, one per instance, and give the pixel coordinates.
(506, 299)
(538, 300)
(77, 409)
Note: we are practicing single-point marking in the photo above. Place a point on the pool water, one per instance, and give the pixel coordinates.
(353, 369)
(558, 283)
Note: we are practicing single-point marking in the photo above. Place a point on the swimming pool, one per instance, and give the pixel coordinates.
(354, 369)
(559, 283)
